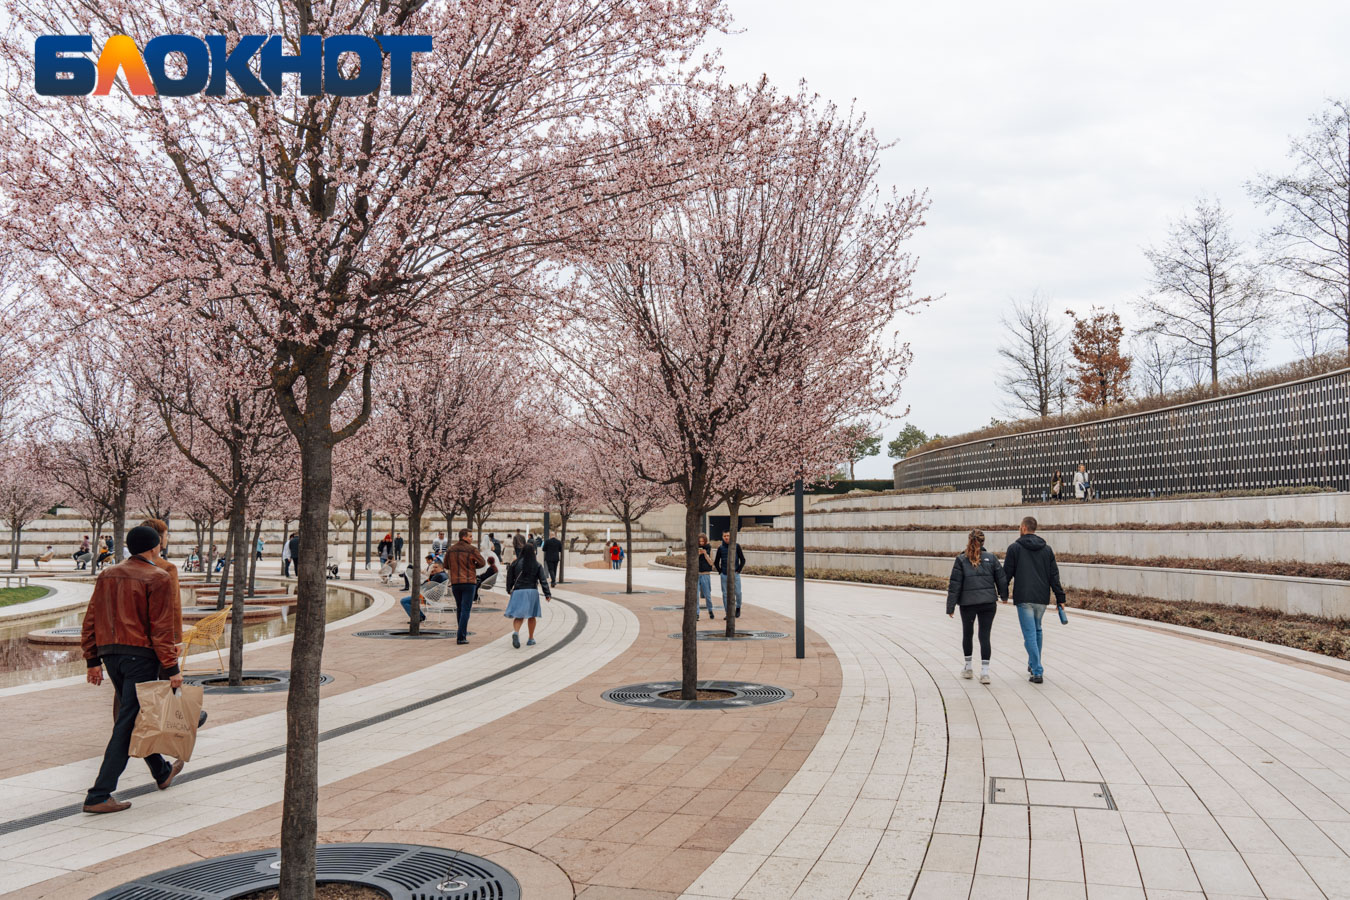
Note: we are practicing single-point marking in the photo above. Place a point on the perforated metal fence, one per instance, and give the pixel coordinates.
(1291, 435)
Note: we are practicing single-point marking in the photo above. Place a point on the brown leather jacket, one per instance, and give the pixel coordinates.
(172, 570)
(133, 611)
(462, 562)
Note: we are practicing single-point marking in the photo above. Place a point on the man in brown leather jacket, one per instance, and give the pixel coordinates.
(462, 562)
(130, 629)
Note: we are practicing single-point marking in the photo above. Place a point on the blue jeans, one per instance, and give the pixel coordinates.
(1029, 617)
(739, 595)
(464, 595)
(705, 590)
(407, 608)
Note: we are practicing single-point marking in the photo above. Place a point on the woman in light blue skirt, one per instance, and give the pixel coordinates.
(524, 580)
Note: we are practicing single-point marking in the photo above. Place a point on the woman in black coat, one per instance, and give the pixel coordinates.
(977, 584)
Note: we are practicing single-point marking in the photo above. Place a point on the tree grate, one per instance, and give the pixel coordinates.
(282, 683)
(667, 608)
(404, 871)
(648, 696)
(741, 635)
(402, 634)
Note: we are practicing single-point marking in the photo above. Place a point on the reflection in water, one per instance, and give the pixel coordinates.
(22, 662)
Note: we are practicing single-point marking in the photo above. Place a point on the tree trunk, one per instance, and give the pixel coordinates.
(253, 557)
(13, 549)
(238, 538)
(225, 570)
(96, 549)
(414, 547)
(562, 554)
(209, 552)
(689, 622)
(119, 523)
(393, 523)
(300, 797)
(628, 543)
(733, 601)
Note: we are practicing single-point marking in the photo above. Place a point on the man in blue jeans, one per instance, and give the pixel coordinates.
(462, 562)
(1033, 572)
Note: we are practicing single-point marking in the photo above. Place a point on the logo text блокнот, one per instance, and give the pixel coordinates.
(206, 63)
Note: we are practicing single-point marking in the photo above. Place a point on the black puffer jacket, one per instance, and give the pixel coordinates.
(978, 584)
(1033, 571)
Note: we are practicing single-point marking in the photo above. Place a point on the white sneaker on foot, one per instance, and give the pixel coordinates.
(967, 673)
(984, 678)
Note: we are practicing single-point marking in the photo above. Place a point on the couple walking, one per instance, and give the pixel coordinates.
(978, 584)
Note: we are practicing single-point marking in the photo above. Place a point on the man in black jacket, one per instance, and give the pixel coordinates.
(723, 569)
(552, 554)
(1031, 567)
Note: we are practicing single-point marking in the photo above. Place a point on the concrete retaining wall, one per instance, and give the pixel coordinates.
(1311, 545)
(937, 499)
(1290, 595)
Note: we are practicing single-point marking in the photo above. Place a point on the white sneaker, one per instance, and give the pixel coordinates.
(967, 673)
(984, 678)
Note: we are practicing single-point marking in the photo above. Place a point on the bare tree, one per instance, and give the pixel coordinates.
(1037, 358)
(1312, 329)
(1310, 245)
(1205, 294)
(1157, 363)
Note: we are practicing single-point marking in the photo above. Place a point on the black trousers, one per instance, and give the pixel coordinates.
(464, 594)
(125, 672)
(984, 614)
(552, 563)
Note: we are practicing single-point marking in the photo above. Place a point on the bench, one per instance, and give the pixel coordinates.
(22, 579)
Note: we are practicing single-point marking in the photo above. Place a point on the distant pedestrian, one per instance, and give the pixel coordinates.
(438, 545)
(524, 580)
(129, 630)
(1082, 484)
(1031, 567)
(285, 557)
(723, 569)
(553, 549)
(293, 548)
(615, 555)
(978, 582)
(1057, 485)
(82, 555)
(385, 549)
(462, 561)
(496, 544)
(398, 547)
(259, 549)
(705, 567)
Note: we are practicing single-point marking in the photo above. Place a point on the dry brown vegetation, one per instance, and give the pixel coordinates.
(1264, 525)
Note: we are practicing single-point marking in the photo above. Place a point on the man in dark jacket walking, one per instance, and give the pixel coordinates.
(723, 569)
(293, 545)
(1031, 567)
(552, 557)
(129, 629)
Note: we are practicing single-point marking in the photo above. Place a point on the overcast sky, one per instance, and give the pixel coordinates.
(1056, 141)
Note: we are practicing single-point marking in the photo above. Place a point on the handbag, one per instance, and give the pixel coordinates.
(167, 722)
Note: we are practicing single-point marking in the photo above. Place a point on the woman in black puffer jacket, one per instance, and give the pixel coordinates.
(978, 582)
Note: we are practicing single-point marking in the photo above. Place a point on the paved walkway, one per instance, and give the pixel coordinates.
(1149, 765)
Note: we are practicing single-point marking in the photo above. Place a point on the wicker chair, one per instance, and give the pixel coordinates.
(206, 633)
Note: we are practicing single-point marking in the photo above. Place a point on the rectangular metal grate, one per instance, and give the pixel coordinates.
(1048, 792)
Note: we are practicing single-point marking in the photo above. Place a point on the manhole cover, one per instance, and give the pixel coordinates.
(740, 635)
(1048, 792)
(279, 680)
(742, 694)
(402, 633)
(404, 871)
(667, 608)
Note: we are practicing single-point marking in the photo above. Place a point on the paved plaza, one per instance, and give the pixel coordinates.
(1153, 762)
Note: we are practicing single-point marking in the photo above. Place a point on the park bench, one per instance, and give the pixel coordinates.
(9, 579)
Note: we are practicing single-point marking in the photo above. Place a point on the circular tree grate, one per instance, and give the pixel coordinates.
(740, 635)
(220, 684)
(404, 871)
(426, 634)
(667, 608)
(743, 694)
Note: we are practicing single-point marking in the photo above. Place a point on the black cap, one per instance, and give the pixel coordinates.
(142, 538)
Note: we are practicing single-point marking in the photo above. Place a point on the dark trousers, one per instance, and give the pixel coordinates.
(286, 568)
(464, 594)
(125, 673)
(552, 563)
(984, 613)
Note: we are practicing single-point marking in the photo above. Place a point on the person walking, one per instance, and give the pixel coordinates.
(723, 570)
(259, 548)
(1082, 485)
(385, 549)
(398, 548)
(496, 544)
(462, 562)
(705, 567)
(615, 555)
(1031, 567)
(524, 579)
(978, 582)
(552, 556)
(293, 548)
(129, 631)
(285, 556)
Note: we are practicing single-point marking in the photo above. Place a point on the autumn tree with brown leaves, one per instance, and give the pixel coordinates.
(1100, 372)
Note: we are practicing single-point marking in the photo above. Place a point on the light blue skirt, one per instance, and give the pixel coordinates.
(524, 604)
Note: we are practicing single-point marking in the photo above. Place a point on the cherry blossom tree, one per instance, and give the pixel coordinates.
(344, 224)
(618, 486)
(26, 492)
(567, 476)
(352, 490)
(781, 266)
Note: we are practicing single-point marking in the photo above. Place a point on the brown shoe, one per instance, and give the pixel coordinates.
(173, 773)
(107, 806)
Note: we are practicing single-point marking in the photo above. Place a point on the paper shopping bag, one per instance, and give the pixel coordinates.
(167, 722)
